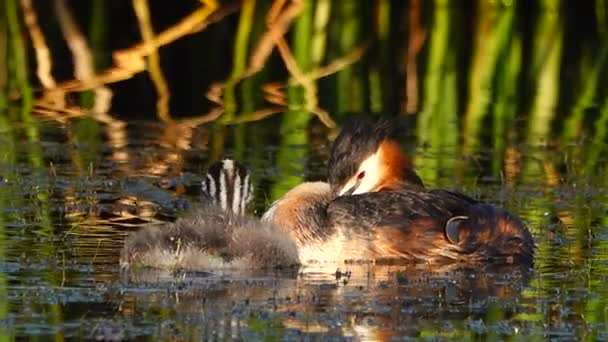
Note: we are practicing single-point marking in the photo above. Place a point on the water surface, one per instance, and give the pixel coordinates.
(68, 203)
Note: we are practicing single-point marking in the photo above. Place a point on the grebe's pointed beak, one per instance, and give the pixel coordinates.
(351, 190)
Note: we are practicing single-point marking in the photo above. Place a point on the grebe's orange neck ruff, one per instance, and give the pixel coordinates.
(392, 166)
(384, 170)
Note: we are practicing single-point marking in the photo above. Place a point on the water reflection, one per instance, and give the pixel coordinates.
(64, 225)
(368, 303)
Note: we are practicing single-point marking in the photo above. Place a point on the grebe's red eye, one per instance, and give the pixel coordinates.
(361, 175)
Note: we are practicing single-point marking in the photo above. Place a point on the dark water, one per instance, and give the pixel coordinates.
(67, 204)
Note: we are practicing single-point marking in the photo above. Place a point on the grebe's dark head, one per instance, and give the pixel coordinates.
(366, 157)
(227, 185)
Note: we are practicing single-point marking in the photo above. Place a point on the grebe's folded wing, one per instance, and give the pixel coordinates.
(453, 195)
(433, 226)
(389, 209)
(403, 226)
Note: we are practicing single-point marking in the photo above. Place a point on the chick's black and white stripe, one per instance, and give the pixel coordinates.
(224, 176)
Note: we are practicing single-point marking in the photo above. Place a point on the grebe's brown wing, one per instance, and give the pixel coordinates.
(385, 208)
(452, 195)
(433, 225)
(487, 231)
(405, 226)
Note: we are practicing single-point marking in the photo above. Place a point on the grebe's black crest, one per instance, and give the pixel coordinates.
(359, 138)
(366, 157)
(216, 236)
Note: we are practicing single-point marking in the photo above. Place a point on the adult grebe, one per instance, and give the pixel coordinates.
(216, 236)
(383, 213)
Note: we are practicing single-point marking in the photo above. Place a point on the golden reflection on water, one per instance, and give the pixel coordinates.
(371, 303)
(93, 208)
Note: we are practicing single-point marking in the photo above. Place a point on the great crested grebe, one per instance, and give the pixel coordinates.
(216, 236)
(375, 208)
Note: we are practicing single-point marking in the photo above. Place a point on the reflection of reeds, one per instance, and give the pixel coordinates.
(505, 106)
(18, 80)
(4, 58)
(417, 36)
(292, 155)
(145, 27)
(586, 96)
(437, 122)
(598, 143)
(43, 54)
(548, 42)
(492, 41)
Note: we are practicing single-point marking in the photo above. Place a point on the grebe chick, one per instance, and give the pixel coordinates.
(380, 194)
(216, 236)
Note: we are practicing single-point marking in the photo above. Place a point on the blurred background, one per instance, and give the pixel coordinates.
(462, 75)
(492, 71)
(110, 110)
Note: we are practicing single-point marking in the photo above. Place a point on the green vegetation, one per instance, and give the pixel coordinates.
(509, 79)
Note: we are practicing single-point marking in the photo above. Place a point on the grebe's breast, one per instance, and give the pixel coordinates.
(342, 245)
(301, 214)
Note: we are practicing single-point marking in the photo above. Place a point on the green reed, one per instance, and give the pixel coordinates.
(546, 59)
(346, 33)
(292, 155)
(506, 102)
(437, 122)
(492, 41)
(98, 33)
(573, 124)
(3, 58)
(379, 95)
(17, 56)
(241, 44)
(239, 62)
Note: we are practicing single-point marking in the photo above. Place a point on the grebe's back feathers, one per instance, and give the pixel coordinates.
(434, 226)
